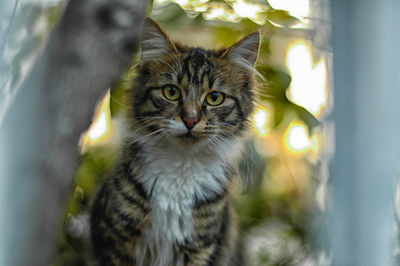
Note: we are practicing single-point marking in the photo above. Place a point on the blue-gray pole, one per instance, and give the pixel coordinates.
(365, 41)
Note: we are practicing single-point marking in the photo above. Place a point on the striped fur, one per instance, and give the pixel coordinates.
(167, 201)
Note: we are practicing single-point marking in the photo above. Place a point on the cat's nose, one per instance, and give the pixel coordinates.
(190, 122)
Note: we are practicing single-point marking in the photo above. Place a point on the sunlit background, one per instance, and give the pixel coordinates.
(283, 188)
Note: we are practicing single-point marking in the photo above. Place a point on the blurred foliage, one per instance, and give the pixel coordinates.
(278, 201)
(281, 17)
(275, 92)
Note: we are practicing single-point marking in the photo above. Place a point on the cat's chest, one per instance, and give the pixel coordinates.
(174, 182)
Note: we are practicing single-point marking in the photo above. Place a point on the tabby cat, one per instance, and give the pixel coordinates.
(168, 199)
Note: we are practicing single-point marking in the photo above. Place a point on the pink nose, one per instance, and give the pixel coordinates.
(190, 122)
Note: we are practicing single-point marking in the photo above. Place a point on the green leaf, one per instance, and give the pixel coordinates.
(281, 17)
(120, 92)
(118, 98)
(276, 77)
(279, 113)
(306, 116)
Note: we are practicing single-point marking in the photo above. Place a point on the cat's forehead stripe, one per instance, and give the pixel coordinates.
(196, 69)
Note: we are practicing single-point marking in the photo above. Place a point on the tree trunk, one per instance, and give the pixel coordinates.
(86, 53)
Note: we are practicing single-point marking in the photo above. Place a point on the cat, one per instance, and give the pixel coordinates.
(168, 199)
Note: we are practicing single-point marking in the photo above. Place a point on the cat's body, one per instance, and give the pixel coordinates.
(167, 201)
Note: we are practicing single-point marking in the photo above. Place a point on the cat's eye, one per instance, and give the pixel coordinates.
(171, 92)
(215, 98)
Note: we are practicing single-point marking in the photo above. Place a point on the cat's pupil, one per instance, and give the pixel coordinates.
(172, 91)
(214, 96)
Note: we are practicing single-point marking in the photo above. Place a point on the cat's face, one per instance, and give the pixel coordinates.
(189, 95)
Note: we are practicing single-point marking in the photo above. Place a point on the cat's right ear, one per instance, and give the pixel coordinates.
(154, 41)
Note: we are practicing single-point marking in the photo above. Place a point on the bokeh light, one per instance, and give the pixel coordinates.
(296, 138)
(260, 121)
(232, 11)
(246, 9)
(101, 127)
(308, 87)
(297, 8)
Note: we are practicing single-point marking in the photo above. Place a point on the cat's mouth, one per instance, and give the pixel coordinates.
(188, 137)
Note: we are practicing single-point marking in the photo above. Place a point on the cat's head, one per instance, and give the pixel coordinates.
(192, 96)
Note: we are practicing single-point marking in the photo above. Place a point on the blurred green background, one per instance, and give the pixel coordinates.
(282, 172)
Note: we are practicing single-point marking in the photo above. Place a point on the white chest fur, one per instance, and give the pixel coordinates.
(174, 181)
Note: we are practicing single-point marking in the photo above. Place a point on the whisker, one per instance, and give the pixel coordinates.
(146, 136)
(146, 147)
(134, 133)
(226, 146)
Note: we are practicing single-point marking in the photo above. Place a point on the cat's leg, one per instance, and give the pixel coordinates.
(115, 224)
(108, 238)
(216, 238)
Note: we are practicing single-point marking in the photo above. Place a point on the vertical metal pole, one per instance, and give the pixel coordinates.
(366, 46)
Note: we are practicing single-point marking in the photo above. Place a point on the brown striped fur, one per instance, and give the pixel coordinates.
(124, 222)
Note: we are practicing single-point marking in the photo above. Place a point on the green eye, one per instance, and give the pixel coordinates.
(171, 92)
(215, 98)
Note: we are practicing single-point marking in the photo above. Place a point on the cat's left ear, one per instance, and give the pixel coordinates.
(245, 52)
(154, 41)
